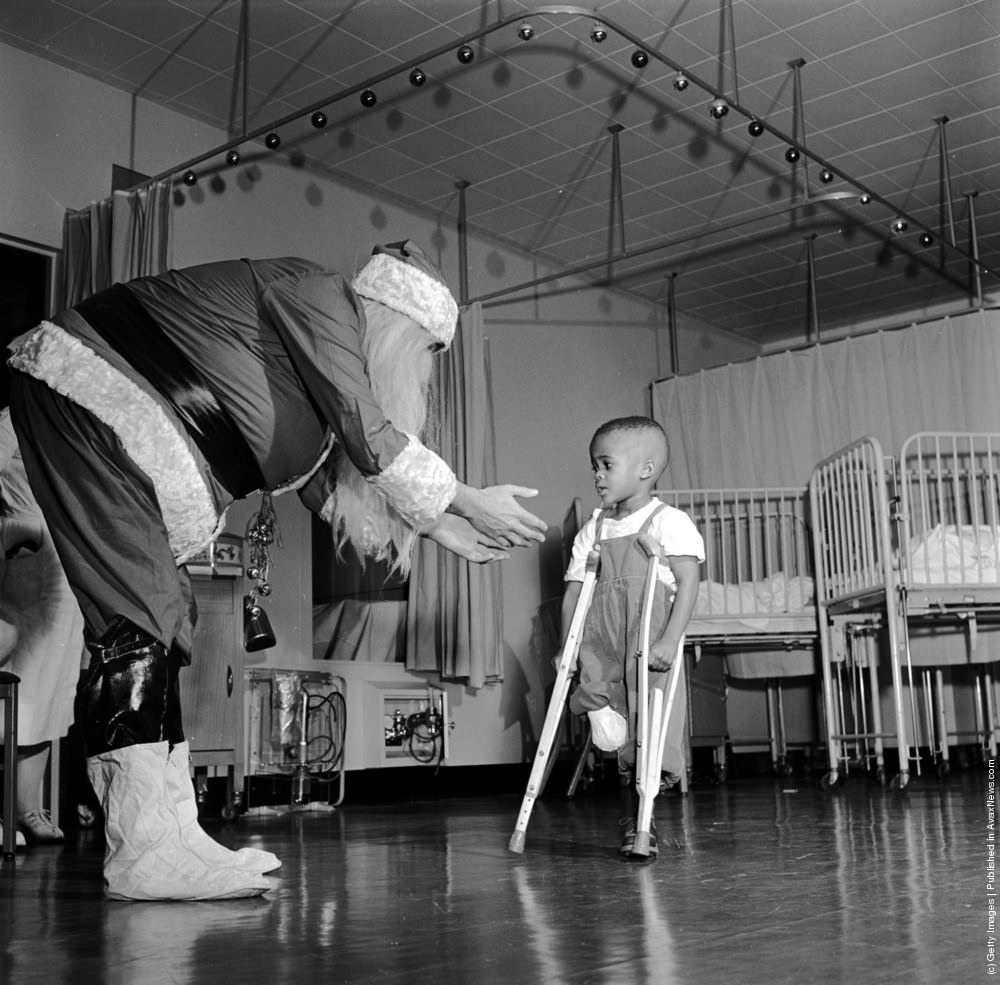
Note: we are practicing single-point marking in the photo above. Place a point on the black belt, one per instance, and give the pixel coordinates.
(117, 315)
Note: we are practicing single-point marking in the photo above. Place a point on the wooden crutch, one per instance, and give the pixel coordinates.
(654, 709)
(553, 715)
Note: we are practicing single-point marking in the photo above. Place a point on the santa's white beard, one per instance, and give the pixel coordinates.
(399, 370)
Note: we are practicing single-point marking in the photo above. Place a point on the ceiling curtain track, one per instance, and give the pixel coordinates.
(554, 10)
(682, 240)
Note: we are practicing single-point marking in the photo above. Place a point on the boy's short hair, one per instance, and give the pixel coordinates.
(637, 425)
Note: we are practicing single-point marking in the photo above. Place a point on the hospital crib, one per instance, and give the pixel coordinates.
(907, 554)
(756, 610)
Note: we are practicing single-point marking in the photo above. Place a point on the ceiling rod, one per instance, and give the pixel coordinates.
(812, 307)
(662, 244)
(799, 123)
(463, 243)
(245, 61)
(944, 180)
(799, 128)
(976, 285)
(617, 205)
(675, 359)
(655, 247)
(731, 29)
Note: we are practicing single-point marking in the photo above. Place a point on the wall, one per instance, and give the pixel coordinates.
(561, 363)
(62, 133)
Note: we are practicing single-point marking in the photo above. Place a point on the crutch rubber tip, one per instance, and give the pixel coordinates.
(641, 845)
(516, 843)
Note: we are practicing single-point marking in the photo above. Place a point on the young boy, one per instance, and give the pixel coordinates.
(628, 456)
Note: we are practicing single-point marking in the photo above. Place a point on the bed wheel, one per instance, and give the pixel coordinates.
(943, 768)
(830, 780)
(880, 775)
(900, 781)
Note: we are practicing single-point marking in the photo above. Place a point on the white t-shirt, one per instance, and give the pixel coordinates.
(673, 529)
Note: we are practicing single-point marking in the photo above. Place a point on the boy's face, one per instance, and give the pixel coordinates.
(620, 465)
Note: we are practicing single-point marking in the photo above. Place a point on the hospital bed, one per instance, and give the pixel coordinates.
(756, 609)
(907, 554)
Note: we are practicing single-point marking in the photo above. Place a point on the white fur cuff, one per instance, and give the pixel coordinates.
(69, 367)
(417, 484)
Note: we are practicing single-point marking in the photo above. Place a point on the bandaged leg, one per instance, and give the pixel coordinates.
(603, 703)
(608, 729)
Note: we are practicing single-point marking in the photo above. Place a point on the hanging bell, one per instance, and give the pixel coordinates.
(257, 632)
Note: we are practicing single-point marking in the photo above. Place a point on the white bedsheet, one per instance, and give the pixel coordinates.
(755, 603)
(951, 555)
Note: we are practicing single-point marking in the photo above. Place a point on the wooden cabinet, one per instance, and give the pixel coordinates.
(212, 687)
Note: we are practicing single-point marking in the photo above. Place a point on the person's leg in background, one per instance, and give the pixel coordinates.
(8, 640)
(33, 819)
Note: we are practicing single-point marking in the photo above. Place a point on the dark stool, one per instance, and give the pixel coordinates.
(8, 694)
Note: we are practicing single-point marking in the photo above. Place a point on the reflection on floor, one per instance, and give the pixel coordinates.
(758, 881)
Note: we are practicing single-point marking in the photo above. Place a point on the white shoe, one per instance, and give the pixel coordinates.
(39, 828)
(181, 789)
(19, 841)
(145, 857)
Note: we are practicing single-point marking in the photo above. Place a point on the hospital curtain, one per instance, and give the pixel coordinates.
(453, 615)
(115, 240)
(769, 421)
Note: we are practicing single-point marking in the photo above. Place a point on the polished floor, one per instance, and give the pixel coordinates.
(759, 880)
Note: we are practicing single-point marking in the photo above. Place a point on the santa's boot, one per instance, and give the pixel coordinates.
(129, 712)
(181, 789)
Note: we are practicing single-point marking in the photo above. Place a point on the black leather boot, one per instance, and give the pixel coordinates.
(129, 693)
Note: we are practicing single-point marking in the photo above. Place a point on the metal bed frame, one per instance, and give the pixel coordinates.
(756, 540)
(884, 533)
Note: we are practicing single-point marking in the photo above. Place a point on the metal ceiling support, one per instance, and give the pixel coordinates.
(616, 204)
(684, 239)
(463, 243)
(812, 308)
(245, 59)
(731, 30)
(799, 125)
(675, 360)
(975, 274)
(945, 182)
